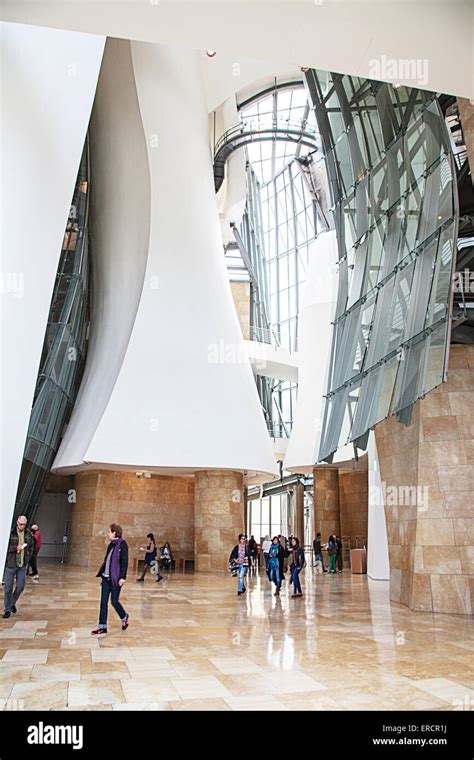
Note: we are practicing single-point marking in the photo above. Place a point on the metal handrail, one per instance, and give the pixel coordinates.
(270, 337)
(249, 127)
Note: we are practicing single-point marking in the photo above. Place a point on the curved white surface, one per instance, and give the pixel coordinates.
(48, 84)
(232, 195)
(352, 37)
(185, 396)
(120, 227)
(314, 345)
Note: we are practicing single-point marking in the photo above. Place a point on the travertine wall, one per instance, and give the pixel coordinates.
(431, 543)
(219, 517)
(161, 505)
(241, 296)
(466, 113)
(354, 504)
(326, 502)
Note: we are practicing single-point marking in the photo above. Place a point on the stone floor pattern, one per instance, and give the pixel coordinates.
(193, 644)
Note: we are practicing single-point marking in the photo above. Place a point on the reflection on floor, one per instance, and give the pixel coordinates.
(193, 644)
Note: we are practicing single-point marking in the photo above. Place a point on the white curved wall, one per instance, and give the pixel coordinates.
(48, 84)
(185, 396)
(120, 228)
(314, 344)
(232, 195)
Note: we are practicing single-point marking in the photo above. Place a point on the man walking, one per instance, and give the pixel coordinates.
(318, 554)
(20, 549)
(34, 557)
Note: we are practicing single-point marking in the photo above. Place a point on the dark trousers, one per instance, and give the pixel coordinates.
(295, 579)
(11, 597)
(339, 561)
(108, 589)
(34, 564)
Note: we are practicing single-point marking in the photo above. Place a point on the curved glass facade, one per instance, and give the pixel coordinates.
(393, 190)
(63, 354)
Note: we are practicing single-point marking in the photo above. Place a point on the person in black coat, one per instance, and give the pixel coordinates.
(113, 572)
(20, 550)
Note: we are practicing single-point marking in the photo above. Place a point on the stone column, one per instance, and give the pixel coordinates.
(298, 522)
(327, 518)
(466, 114)
(219, 517)
(427, 470)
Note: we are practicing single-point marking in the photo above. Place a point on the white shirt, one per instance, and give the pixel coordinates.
(266, 545)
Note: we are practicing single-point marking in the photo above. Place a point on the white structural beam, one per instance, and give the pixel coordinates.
(314, 344)
(425, 43)
(48, 83)
(378, 566)
(185, 397)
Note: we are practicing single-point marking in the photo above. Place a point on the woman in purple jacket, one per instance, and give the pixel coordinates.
(113, 572)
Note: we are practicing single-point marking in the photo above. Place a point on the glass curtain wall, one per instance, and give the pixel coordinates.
(394, 200)
(289, 223)
(63, 354)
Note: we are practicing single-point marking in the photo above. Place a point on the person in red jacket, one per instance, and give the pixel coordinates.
(33, 561)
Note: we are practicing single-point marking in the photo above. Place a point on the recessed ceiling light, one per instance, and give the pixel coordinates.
(210, 53)
(397, 86)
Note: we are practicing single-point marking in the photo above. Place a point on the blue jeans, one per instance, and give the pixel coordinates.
(242, 572)
(275, 576)
(108, 589)
(319, 558)
(11, 597)
(295, 580)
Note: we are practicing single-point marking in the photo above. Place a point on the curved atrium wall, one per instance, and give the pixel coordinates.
(392, 184)
(63, 354)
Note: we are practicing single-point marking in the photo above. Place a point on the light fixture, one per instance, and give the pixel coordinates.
(397, 86)
(210, 53)
(138, 474)
(304, 69)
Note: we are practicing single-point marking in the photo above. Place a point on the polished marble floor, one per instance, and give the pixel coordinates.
(193, 644)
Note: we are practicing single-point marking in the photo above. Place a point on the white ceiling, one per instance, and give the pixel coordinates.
(349, 37)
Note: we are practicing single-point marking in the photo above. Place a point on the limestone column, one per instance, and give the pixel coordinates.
(466, 113)
(327, 519)
(298, 521)
(218, 517)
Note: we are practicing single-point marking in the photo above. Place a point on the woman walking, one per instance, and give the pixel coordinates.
(274, 558)
(113, 572)
(332, 551)
(296, 566)
(150, 557)
(240, 557)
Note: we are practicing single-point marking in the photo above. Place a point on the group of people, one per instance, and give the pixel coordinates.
(276, 552)
(151, 562)
(22, 555)
(25, 544)
(334, 550)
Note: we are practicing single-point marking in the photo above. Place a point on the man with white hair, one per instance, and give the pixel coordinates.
(20, 549)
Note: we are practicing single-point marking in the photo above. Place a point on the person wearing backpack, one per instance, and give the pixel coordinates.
(274, 559)
(296, 566)
(331, 546)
